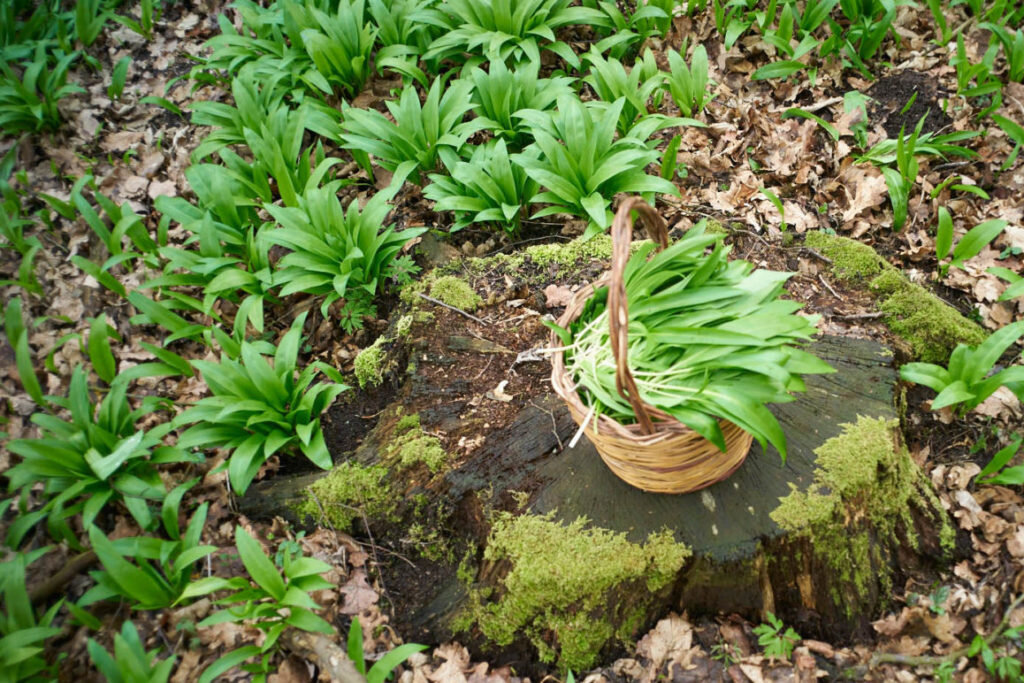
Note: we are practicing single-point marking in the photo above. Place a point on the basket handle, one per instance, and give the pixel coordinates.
(618, 313)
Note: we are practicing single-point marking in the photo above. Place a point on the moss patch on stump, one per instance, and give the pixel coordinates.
(860, 508)
(931, 327)
(567, 584)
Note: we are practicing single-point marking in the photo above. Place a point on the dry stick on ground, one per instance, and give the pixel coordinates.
(323, 651)
(451, 308)
(860, 316)
(816, 254)
(73, 568)
(554, 425)
(935, 660)
(824, 282)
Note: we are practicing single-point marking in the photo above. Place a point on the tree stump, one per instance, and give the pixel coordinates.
(523, 545)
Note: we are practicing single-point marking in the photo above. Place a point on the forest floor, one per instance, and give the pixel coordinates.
(137, 151)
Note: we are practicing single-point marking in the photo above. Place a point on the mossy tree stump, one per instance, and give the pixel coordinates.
(541, 552)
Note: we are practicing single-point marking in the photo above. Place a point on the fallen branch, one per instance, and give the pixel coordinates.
(936, 660)
(861, 316)
(75, 566)
(451, 308)
(325, 653)
(827, 286)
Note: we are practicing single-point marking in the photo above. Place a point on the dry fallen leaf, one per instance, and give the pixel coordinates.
(358, 593)
(557, 296)
(456, 662)
(670, 641)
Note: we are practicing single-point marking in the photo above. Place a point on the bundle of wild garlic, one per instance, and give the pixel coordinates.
(708, 339)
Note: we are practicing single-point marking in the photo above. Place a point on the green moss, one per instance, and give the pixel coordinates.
(424, 449)
(713, 227)
(411, 446)
(348, 491)
(561, 588)
(851, 260)
(403, 326)
(406, 423)
(568, 259)
(571, 254)
(455, 292)
(429, 542)
(369, 364)
(931, 327)
(859, 504)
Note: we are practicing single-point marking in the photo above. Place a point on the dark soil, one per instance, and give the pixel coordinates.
(892, 93)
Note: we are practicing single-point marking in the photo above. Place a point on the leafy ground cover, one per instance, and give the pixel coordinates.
(208, 210)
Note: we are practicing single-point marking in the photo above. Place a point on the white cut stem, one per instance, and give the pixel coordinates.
(583, 426)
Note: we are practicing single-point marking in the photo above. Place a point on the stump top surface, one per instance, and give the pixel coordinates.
(727, 520)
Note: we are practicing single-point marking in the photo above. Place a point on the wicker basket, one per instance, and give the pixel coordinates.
(658, 453)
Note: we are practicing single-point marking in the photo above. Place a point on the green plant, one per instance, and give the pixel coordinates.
(708, 339)
(29, 103)
(942, 33)
(12, 229)
(258, 409)
(162, 569)
(731, 19)
(383, 667)
(23, 634)
(278, 153)
(488, 188)
(1015, 132)
(670, 166)
(580, 163)
(510, 29)
(338, 43)
(100, 456)
(904, 152)
(316, 47)
(232, 260)
(725, 652)
(25, 24)
(500, 92)
(969, 246)
(419, 133)
(1013, 49)
(1005, 667)
(777, 203)
(966, 382)
(402, 36)
(996, 472)
(90, 18)
(338, 253)
(688, 85)
(870, 21)
(118, 222)
(130, 662)
(900, 180)
(272, 600)
(985, 83)
(622, 31)
(640, 89)
(149, 13)
(118, 77)
(17, 337)
(256, 99)
(1016, 287)
(777, 644)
